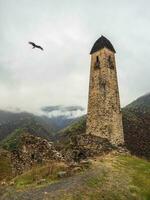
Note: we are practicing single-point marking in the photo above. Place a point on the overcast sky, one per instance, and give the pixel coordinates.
(59, 75)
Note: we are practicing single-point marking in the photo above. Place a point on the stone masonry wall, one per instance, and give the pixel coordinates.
(104, 116)
(33, 150)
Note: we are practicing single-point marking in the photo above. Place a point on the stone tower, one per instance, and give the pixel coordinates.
(104, 118)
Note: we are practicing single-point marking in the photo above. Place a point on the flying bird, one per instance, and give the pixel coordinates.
(35, 46)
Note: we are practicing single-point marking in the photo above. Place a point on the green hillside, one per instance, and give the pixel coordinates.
(142, 104)
(12, 141)
(75, 128)
(42, 126)
(136, 123)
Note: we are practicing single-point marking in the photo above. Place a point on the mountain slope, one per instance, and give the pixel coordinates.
(136, 123)
(77, 127)
(40, 125)
(10, 121)
(142, 104)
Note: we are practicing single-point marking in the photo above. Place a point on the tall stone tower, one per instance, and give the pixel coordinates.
(104, 118)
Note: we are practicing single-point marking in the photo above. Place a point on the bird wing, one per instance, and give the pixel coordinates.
(32, 43)
(41, 48)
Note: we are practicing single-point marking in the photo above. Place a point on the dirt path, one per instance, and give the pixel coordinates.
(51, 191)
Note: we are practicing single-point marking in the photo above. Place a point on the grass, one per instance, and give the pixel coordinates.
(96, 181)
(139, 171)
(48, 173)
(5, 166)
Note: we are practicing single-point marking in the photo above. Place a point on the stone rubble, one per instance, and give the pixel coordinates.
(33, 150)
(84, 146)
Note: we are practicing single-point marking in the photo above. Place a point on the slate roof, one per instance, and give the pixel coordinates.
(101, 43)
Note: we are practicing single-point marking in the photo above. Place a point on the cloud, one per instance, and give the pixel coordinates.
(6, 76)
(51, 108)
(61, 108)
(31, 79)
(73, 108)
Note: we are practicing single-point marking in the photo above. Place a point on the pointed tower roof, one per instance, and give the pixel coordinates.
(101, 43)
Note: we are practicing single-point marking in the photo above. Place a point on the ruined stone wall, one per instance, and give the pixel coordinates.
(104, 116)
(33, 150)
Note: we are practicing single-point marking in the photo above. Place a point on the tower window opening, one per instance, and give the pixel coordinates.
(97, 59)
(97, 63)
(111, 65)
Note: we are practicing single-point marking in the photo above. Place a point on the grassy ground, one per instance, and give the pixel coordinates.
(111, 177)
(39, 175)
(5, 165)
(116, 178)
(139, 171)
